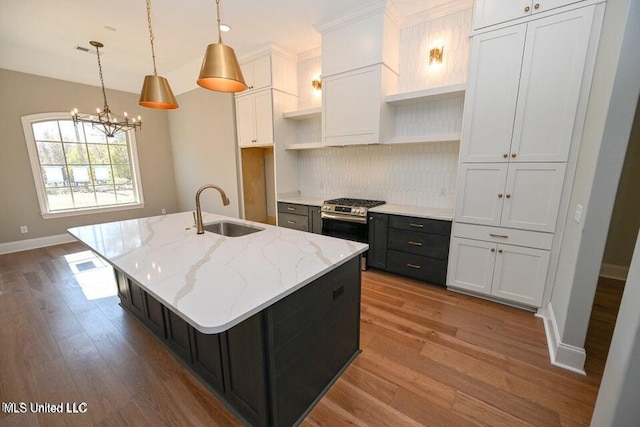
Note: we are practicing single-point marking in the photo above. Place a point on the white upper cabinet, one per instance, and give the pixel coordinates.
(524, 87)
(552, 70)
(491, 12)
(492, 93)
(254, 116)
(257, 72)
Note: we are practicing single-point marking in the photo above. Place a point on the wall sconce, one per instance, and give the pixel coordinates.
(435, 55)
(316, 83)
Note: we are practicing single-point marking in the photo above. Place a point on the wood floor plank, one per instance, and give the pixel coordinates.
(430, 357)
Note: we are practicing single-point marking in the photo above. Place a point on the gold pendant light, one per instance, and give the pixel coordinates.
(156, 92)
(220, 69)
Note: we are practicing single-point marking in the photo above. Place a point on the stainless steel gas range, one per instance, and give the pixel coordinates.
(348, 219)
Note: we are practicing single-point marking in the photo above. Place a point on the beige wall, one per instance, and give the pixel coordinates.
(626, 212)
(23, 94)
(204, 150)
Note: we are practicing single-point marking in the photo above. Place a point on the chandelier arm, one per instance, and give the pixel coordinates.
(218, 15)
(151, 38)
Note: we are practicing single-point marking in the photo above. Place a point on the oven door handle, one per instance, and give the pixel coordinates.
(345, 218)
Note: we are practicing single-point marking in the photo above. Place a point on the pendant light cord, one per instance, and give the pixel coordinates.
(218, 15)
(151, 38)
(104, 93)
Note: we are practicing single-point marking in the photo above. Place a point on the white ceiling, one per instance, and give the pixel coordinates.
(40, 36)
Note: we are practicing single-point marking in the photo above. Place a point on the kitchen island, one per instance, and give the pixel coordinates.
(267, 320)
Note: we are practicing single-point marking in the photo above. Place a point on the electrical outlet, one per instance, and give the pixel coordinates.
(24, 229)
(443, 192)
(163, 211)
(578, 213)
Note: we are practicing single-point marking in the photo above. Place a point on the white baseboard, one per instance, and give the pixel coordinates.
(562, 355)
(614, 271)
(40, 242)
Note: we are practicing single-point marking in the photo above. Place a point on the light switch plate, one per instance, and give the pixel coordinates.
(578, 213)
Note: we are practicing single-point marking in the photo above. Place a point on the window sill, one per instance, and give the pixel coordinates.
(89, 211)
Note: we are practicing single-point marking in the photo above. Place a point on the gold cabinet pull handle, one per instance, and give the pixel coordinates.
(416, 225)
(508, 196)
(414, 266)
(536, 6)
(291, 209)
(414, 243)
(527, 9)
(290, 222)
(499, 235)
(499, 195)
(493, 249)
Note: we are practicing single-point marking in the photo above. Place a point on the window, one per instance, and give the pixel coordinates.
(77, 169)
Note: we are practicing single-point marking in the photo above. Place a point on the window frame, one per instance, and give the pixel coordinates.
(34, 161)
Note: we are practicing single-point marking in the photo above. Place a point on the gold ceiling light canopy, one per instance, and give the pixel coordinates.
(316, 83)
(156, 92)
(107, 122)
(220, 69)
(435, 55)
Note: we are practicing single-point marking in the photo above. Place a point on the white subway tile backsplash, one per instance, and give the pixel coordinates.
(405, 174)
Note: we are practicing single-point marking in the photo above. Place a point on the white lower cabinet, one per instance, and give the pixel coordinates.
(512, 273)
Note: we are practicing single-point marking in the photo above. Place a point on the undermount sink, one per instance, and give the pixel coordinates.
(231, 229)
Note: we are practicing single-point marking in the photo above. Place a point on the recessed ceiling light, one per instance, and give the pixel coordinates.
(224, 27)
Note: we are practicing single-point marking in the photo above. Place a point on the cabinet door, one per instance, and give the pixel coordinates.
(378, 226)
(552, 69)
(136, 299)
(480, 193)
(471, 264)
(263, 118)
(257, 73)
(520, 274)
(492, 91)
(532, 196)
(246, 121)
(490, 12)
(315, 219)
(351, 107)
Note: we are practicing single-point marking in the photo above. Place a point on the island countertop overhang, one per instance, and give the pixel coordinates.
(215, 282)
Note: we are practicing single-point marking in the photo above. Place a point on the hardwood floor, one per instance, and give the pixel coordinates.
(430, 357)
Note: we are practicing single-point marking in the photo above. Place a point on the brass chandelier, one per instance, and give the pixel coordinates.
(104, 120)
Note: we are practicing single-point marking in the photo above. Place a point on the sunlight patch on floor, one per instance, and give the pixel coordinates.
(93, 274)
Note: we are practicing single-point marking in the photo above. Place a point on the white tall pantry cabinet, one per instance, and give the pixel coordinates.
(526, 81)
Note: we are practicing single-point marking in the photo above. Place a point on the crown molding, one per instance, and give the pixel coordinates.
(358, 14)
(430, 14)
(266, 50)
(310, 54)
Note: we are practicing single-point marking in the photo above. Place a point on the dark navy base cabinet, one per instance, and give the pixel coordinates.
(271, 368)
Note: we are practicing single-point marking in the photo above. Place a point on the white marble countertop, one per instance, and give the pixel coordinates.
(309, 201)
(416, 211)
(212, 281)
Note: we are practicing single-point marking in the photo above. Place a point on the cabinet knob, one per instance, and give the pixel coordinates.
(505, 155)
(250, 87)
(513, 155)
(370, 218)
(499, 251)
(527, 9)
(493, 249)
(254, 140)
(508, 196)
(536, 6)
(500, 195)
